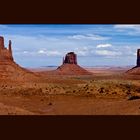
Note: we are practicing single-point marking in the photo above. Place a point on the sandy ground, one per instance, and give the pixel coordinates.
(68, 105)
(106, 92)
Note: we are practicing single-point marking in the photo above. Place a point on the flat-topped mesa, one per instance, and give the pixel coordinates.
(5, 53)
(138, 57)
(70, 58)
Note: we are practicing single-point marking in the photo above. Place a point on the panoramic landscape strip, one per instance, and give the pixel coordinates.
(41, 75)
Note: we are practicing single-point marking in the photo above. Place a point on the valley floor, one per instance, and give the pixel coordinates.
(106, 92)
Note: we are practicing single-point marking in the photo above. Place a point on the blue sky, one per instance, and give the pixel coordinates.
(36, 45)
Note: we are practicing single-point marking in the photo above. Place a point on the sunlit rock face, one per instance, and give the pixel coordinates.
(5, 53)
(8, 67)
(136, 70)
(70, 58)
(70, 66)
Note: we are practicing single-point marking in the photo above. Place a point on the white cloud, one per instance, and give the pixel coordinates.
(83, 51)
(50, 53)
(107, 53)
(129, 26)
(88, 37)
(42, 52)
(130, 29)
(25, 52)
(103, 45)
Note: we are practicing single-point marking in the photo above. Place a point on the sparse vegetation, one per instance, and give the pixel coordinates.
(43, 94)
(133, 97)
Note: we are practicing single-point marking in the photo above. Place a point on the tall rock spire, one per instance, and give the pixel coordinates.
(10, 46)
(1, 42)
(5, 53)
(138, 57)
(10, 49)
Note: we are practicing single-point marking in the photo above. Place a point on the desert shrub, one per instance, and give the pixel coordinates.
(30, 91)
(114, 92)
(50, 103)
(101, 90)
(133, 97)
(74, 91)
(137, 90)
(106, 90)
(128, 92)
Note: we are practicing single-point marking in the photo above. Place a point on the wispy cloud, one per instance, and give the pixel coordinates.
(107, 53)
(50, 53)
(103, 45)
(130, 29)
(49, 43)
(129, 26)
(88, 37)
(83, 51)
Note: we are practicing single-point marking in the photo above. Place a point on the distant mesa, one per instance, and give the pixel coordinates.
(69, 66)
(8, 68)
(136, 70)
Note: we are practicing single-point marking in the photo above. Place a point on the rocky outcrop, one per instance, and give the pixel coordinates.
(138, 57)
(71, 69)
(8, 67)
(136, 70)
(5, 53)
(68, 67)
(70, 58)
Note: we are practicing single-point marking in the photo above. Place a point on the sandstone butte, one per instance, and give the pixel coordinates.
(69, 67)
(136, 70)
(8, 67)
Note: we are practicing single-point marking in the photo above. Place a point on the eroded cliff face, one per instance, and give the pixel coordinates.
(138, 57)
(8, 67)
(70, 58)
(70, 66)
(135, 70)
(5, 53)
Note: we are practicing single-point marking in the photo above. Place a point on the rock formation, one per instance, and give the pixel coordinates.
(8, 68)
(70, 58)
(5, 53)
(69, 67)
(138, 58)
(136, 70)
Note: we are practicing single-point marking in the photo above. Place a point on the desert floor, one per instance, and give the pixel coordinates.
(109, 91)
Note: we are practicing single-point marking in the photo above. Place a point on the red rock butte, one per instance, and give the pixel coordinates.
(5, 53)
(70, 58)
(136, 70)
(8, 68)
(69, 67)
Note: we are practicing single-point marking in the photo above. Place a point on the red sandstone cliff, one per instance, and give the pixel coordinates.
(8, 68)
(136, 70)
(69, 67)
